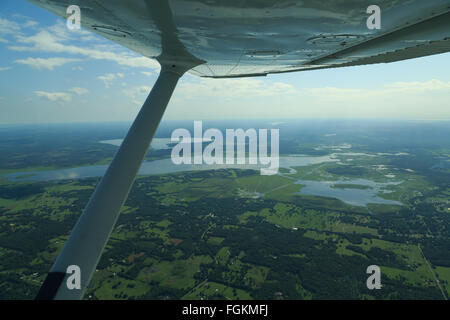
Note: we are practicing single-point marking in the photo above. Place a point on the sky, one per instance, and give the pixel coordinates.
(49, 73)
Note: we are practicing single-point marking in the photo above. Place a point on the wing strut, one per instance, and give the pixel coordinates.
(85, 245)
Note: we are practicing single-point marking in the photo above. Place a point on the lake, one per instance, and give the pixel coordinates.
(157, 167)
(352, 196)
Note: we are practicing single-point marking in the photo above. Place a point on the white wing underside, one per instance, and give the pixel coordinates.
(236, 38)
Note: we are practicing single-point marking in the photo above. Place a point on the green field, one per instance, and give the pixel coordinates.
(235, 234)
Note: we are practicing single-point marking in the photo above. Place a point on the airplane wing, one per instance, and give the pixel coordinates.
(234, 38)
(224, 39)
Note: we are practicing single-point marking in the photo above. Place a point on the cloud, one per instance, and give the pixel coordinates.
(5, 68)
(220, 89)
(138, 94)
(27, 21)
(59, 97)
(62, 97)
(79, 91)
(49, 63)
(230, 88)
(30, 24)
(417, 86)
(256, 98)
(110, 77)
(8, 27)
(57, 39)
(392, 89)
